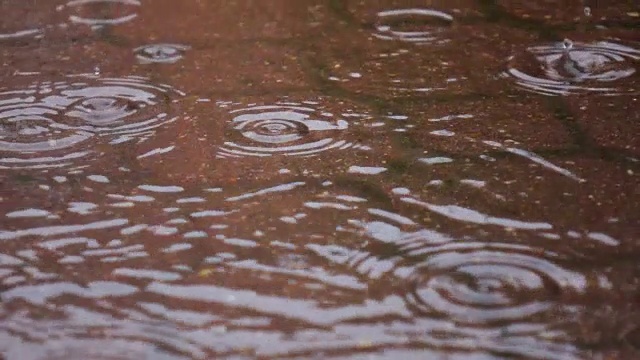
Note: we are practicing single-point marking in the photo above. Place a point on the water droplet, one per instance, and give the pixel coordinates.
(160, 53)
(567, 44)
(570, 67)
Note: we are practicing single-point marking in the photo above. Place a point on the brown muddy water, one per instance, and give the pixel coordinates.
(288, 179)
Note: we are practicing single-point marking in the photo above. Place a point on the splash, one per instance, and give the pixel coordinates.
(160, 53)
(569, 67)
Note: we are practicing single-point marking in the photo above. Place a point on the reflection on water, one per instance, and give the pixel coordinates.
(380, 189)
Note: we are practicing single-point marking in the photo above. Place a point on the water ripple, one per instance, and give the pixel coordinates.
(462, 292)
(290, 129)
(568, 67)
(98, 13)
(50, 124)
(480, 283)
(160, 53)
(415, 25)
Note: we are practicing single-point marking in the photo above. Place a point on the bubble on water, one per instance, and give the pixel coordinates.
(101, 12)
(160, 53)
(49, 124)
(413, 25)
(572, 67)
(290, 129)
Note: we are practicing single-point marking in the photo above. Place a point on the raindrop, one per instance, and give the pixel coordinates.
(282, 129)
(567, 44)
(160, 53)
(571, 68)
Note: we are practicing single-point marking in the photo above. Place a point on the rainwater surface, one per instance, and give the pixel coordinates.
(319, 179)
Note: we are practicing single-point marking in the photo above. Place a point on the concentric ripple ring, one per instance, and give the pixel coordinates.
(282, 129)
(571, 68)
(411, 25)
(91, 12)
(49, 124)
(480, 283)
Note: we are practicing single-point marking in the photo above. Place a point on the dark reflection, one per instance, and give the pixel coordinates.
(357, 179)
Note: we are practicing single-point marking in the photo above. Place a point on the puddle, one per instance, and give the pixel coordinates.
(384, 179)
